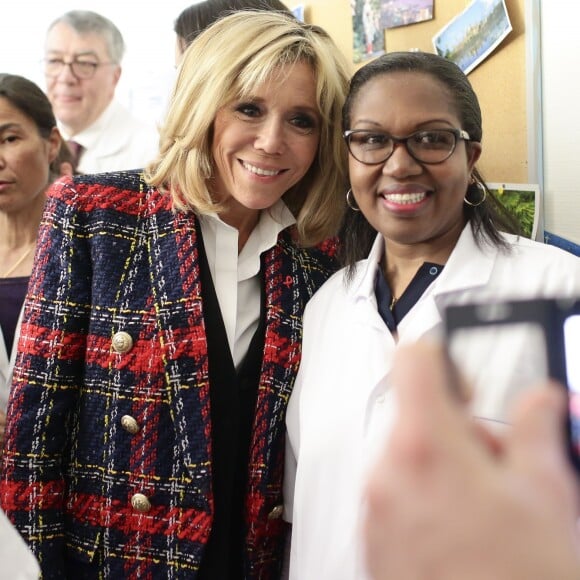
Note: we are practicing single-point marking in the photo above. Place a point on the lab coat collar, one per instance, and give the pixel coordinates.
(363, 285)
(90, 138)
(469, 266)
(4, 361)
(7, 361)
(361, 289)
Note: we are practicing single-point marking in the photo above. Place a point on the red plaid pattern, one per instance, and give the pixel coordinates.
(112, 256)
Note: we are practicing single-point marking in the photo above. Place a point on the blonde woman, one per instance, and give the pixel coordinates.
(161, 334)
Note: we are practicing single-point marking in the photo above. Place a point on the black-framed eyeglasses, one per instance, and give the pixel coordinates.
(81, 69)
(431, 147)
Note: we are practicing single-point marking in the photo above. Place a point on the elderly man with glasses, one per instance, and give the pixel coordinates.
(82, 66)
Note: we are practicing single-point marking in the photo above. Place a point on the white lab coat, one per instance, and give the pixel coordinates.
(342, 408)
(4, 365)
(116, 141)
(18, 562)
(7, 364)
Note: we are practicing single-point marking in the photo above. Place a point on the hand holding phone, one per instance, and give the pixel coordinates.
(505, 347)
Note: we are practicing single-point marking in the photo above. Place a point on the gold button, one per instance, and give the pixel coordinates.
(140, 503)
(276, 512)
(122, 342)
(129, 424)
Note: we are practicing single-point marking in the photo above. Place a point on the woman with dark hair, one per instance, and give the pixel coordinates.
(31, 154)
(423, 232)
(195, 18)
(486, 218)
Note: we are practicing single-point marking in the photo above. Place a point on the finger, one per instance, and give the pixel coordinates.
(457, 381)
(431, 421)
(426, 385)
(537, 442)
(66, 169)
(493, 441)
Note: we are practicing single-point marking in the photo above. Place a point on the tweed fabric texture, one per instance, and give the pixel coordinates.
(112, 256)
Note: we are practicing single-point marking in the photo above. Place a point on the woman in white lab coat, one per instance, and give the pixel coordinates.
(31, 157)
(423, 232)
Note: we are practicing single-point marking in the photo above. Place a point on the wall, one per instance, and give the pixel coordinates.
(147, 27)
(148, 66)
(560, 52)
(500, 81)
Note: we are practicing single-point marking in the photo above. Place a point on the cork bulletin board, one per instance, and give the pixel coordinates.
(500, 82)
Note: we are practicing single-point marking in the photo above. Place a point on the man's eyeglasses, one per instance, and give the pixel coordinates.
(433, 146)
(81, 69)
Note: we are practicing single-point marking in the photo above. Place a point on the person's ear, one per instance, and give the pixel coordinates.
(117, 74)
(473, 153)
(65, 169)
(54, 141)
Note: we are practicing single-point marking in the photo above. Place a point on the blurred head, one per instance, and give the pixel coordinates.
(197, 17)
(406, 199)
(82, 65)
(254, 92)
(29, 143)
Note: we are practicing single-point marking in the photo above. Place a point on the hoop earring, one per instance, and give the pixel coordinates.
(350, 201)
(481, 188)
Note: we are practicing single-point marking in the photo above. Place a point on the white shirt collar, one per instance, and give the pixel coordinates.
(236, 276)
(263, 237)
(89, 136)
(364, 284)
(468, 265)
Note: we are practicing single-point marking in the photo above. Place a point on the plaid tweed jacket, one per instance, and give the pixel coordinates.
(107, 463)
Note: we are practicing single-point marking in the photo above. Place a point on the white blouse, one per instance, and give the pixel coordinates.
(236, 276)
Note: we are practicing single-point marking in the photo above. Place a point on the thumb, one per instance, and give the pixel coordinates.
(421, 378)
(429, 410)
(537, 440)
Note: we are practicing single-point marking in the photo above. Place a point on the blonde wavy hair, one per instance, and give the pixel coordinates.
(226, 62)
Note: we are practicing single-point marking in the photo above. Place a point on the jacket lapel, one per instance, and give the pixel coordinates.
(287, 291)
(468, 269)
(176, 285)
(3, 361)
(371, 341)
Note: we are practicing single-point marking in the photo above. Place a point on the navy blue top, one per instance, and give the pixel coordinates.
(425, 275)
(12, 294)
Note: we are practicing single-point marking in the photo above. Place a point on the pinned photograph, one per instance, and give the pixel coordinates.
(473, 35)
(396, 13)
(524, 202)
(368, 34)
(298, 12)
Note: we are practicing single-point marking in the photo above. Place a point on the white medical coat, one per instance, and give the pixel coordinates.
(341, 409)
(116, 141)
(18, 562)
(4, 365)
(7, 364)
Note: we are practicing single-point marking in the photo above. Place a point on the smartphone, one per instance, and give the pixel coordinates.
(504, 347)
